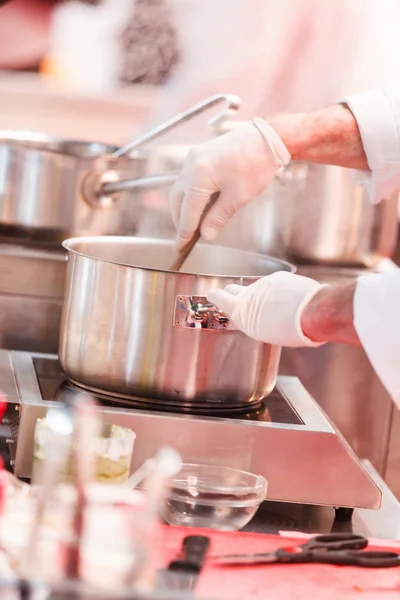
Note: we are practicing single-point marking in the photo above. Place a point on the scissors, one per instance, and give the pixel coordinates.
(333, 549)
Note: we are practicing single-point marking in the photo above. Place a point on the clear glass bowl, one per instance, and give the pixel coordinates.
(213, 497)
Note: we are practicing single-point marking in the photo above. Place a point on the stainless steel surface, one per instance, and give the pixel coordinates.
(343, 382)
(377, 524)
(29, 323)
(117, 332)
(333, 220)
(58, 187)
(31, 294)
(27, 271)
(306, 463)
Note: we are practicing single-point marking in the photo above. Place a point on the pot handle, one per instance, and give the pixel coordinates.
(100, 189)
(140, 183)
(195, 312)
(231, 105)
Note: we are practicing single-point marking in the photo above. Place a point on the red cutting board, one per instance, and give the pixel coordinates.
(279, 582)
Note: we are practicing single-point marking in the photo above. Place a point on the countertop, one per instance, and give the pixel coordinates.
(279, 582)
(296, 582)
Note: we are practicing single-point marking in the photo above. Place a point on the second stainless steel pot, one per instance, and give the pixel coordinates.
(51, 188)
(332, 221)
(131, 327)
(310, 213)
(40, 187)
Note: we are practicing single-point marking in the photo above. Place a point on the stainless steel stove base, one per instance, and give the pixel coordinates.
(307, 463)
(274, 517)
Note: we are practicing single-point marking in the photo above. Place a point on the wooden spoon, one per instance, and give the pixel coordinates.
(183, 254)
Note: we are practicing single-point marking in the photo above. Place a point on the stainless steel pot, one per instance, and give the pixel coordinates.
(332, 221)
(132, 327)
(51, 188)
(40, 187)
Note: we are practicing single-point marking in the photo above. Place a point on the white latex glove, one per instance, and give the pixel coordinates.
(270, 309)
(239, 164)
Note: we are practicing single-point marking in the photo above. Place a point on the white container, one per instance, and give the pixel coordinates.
(86, 49)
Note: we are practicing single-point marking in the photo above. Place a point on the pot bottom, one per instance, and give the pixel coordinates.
(165, 404)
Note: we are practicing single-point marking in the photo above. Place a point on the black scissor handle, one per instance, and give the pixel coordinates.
(377, 558)
(336, 541)
(321, 545)
(368, 559)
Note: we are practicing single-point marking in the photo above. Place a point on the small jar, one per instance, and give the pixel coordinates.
(112, 454)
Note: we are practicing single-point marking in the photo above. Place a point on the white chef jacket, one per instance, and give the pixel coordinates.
(377, 297)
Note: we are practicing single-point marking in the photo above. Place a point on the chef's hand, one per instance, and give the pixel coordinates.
(239, 164)
(270, 309)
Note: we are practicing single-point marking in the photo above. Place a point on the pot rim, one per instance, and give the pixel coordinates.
(286, 266)
(42, 142)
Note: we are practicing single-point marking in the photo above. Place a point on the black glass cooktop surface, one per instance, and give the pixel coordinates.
(54, 386)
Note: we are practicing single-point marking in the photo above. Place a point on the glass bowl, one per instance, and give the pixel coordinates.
(213, 497)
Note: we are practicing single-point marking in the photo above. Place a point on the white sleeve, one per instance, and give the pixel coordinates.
(377, 322)
(378, 117)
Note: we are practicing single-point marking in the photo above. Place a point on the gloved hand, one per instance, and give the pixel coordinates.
(239, 164)
(270, 309)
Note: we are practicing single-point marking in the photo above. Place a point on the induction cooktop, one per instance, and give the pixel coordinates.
(287, 438)
(53, 385)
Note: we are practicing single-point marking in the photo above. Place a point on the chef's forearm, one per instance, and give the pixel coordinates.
(327, 135)
(329, 316)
